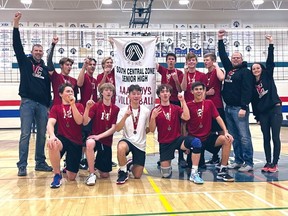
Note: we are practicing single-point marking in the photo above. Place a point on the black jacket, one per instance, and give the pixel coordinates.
(238, 83)
(34, 77)
(265, 94)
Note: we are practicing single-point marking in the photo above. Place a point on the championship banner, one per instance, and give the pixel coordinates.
(135, 64)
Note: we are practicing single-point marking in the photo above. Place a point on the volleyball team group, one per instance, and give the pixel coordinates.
(191, 123)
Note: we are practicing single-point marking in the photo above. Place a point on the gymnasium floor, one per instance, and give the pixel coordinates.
(252, 193)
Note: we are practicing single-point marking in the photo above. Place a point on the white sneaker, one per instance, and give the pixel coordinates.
(234, 166)
(91, 179)
(245, 168)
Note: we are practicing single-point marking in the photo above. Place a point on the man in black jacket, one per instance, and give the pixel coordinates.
(35, 93)
(237, 91)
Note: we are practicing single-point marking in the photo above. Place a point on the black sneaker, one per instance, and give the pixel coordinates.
(43, 167)
(22, 171)
(183, 163)
(83, 164)
(223, 175)
(212, 161)
(122, 177)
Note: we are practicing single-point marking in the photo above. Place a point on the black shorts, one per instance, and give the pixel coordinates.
(86, 131)
(103, 161)
(73, 154)
(209, 143)
(215, 125)
(167, 150)
(138, 156)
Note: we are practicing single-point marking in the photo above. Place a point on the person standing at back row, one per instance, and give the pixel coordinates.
(35, 93)
(267, 107)
(238, 85)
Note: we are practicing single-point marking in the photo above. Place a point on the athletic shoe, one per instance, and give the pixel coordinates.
(234, 166)
(183, 163)
(266, 167)
(212, 161)
(245, 168)
(129, 165)
(273, 168)
(223, 175)
(83, 164)
(43, 167)
(22, 171)
(56, 181)
(91, 179)
(122, 177)
(114, 164)
(194, 177)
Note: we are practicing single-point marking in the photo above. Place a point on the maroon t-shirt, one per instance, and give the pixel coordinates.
(166, 78)
(57, 80)
(109, 79)
(191, 78)
(88, 88)
(216, 84)
(102, 118)
(67, 126)
(169, 127)
(201, 114)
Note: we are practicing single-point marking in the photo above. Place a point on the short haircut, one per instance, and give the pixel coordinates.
(106, 59)
(36, 45)
(65, 59)
(162, 87)
(92, 59)
(211, 55)
(196, 84)
(63, 86)
(171, 54)
(191, 55)
(134, 87)
(106, 86)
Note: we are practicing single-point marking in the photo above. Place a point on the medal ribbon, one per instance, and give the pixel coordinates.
(135, 118)
(65, 116)
(167, 116)
(189, 79)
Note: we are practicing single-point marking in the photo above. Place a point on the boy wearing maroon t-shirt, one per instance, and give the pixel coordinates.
(108, 75)
(166, 117)
(191, 75)
(103, 115)
(58, 79)
(200, 123)
(68, 116)
(215, 76)
(88, 90)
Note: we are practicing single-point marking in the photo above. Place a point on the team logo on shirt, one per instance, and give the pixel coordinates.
(229, 76)
(105, 116)
(260, 90)
(199, 112)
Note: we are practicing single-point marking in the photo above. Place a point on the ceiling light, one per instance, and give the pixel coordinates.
(258, 2)
(106, 1)
(26, 1)
(183, 2)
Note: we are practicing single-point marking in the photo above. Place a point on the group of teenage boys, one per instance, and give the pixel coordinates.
(191, 127)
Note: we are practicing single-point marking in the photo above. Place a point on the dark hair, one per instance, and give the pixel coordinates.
(92, 59)
(63, 86)
(134, 87)
(162, 87)
(196, 84)
(211, 55)
(261, 65)
(171, 54)
(64, 60)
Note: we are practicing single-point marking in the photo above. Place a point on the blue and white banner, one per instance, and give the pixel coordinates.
(135, 64)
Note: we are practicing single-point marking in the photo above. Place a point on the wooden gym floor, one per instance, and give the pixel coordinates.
(253, 193)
